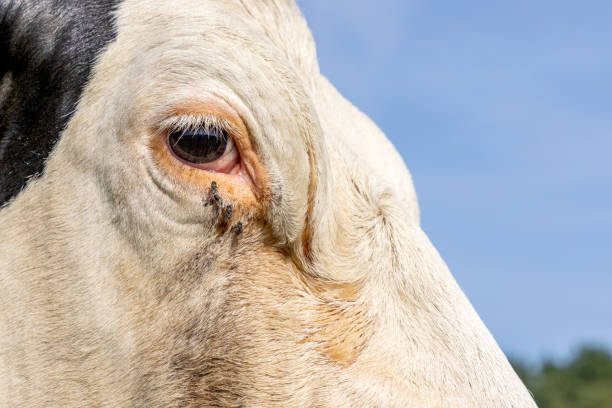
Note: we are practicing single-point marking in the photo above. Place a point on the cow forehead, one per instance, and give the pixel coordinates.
(266, 33)
(249, 24)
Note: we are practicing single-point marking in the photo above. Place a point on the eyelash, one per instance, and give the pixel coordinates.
(185, 123)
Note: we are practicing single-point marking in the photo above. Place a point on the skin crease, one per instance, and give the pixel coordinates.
(124, 283)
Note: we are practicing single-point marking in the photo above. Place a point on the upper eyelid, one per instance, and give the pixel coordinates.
(184, 122)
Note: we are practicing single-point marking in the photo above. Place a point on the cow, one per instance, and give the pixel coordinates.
(194, 216)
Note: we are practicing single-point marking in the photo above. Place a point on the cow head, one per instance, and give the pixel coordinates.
(214, 224)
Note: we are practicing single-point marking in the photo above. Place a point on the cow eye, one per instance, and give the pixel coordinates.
(199, 145)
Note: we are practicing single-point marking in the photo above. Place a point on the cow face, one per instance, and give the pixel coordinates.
(215, 225)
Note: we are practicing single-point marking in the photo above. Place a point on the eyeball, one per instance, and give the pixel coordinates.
(199, 145)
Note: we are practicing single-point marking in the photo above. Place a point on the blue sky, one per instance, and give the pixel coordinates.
(502, 111)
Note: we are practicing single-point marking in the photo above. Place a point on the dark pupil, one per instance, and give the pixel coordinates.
(199, 145)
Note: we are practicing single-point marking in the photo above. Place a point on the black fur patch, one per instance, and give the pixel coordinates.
(47, 48)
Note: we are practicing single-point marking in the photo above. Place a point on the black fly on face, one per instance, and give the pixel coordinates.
(238, 228)
(228, 211)
(213, 195)
(213, 192)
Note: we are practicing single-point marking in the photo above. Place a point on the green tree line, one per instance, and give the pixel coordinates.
(584, 381)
